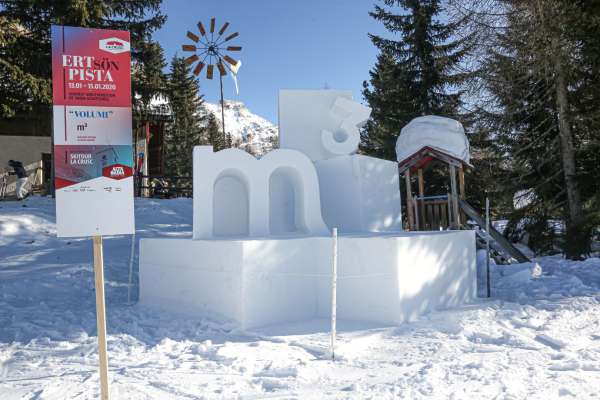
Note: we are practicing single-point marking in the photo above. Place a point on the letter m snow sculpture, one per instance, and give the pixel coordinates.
(237, 195)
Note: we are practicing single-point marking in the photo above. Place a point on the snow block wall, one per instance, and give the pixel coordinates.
(360, 194)
(251, 282)
(395, 279)
(386, 279)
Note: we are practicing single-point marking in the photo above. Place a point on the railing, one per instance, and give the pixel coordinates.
(163, 186)
(432, 212)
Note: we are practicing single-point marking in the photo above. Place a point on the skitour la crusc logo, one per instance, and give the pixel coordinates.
(113, 45)
(117, 171)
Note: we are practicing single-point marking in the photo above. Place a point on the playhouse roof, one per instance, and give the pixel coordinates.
(433, 137)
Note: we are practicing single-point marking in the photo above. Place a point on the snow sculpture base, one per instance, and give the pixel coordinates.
(385, 279)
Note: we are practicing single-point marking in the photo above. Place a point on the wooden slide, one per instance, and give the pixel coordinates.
(498, 243)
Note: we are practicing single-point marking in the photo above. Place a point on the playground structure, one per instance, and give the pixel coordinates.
(432, 139)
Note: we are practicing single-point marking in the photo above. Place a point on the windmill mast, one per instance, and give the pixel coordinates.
(206, 46)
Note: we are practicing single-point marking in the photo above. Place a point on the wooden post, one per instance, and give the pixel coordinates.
(146, 181)
(450, 218)
(400, 190)
(421, 215)
(461, 181)
(101, 316)
(461, 188)
(455, 210)
(136, 157)
(417, 223)
(409, 201)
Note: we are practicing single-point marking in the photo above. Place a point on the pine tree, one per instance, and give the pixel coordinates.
(537, 81)
(186, 129)
(25, 68)
(148, 78)
(214, 133)
(414, 75)
(391, 106)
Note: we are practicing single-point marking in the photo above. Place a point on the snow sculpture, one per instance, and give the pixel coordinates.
(320, 123)
(261, 252)
(350, 116)
(439, 133)
(237, 195)
(358, 193)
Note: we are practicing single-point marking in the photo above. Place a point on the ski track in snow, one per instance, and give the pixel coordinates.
(538, 338)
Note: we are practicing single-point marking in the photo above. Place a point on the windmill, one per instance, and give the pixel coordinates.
(209, 51)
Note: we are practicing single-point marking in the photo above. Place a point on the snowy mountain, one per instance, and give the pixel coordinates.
(248, 130)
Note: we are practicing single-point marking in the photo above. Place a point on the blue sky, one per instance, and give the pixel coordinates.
(287, 44)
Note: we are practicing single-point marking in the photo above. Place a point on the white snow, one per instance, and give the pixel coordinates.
(537, 338)
(439, 133)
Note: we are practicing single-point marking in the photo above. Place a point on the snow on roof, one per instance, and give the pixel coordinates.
(440, 133)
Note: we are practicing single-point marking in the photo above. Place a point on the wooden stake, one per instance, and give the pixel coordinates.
(417, 223)
(421, 216)
(461, 188)
(409, 202)
(101, 316)
(455, 210)
(461, 181)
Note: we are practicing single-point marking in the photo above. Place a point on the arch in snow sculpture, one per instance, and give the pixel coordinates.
(281, 191)
(231, 205)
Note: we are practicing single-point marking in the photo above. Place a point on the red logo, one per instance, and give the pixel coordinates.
(117, 171)
(113, 45)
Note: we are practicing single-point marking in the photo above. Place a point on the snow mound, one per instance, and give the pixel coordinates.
(439, 133)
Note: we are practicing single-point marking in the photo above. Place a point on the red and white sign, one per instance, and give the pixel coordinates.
(114, 45)
(117, 171)
(91, 78)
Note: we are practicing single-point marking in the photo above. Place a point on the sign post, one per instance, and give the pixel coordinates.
(93, 154)
(101, 316)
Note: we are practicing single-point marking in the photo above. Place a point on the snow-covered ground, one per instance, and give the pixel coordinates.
(538, 338)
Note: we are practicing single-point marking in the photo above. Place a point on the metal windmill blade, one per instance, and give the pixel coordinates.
(209, 48)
